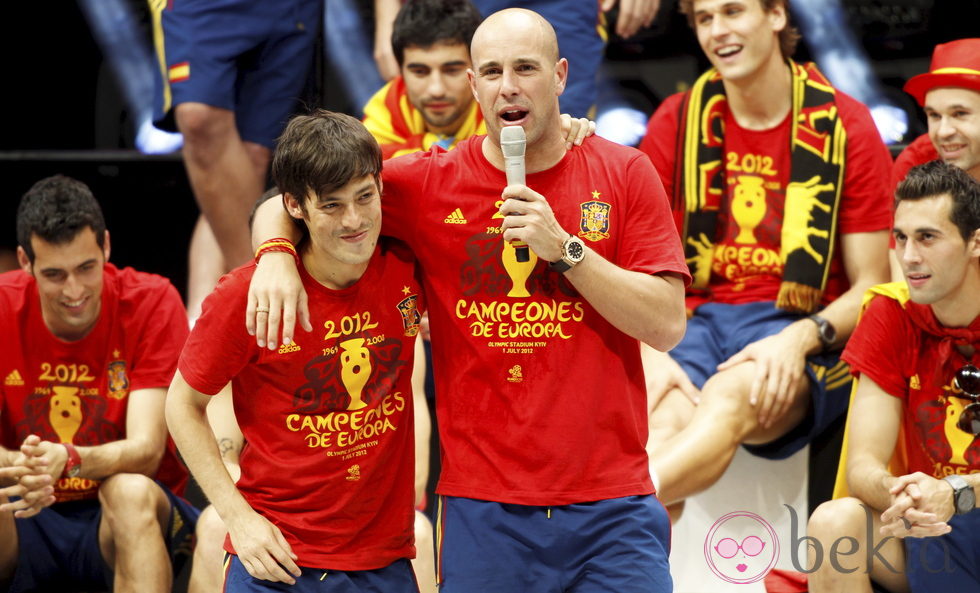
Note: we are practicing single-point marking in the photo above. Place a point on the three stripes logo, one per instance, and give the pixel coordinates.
(14, 379)
(455, 217)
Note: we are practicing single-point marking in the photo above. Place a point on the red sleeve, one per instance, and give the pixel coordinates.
(919, 151)
(878, 346)
(219, 346)
(660, 142)
(650, 242)
(163, 331)
(866, 203)
(403, 179)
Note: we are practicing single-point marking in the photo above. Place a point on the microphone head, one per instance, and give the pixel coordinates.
(512, 141)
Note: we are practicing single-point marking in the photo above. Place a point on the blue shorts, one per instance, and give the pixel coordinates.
(718, 331)
(397, 577)
(621, 545)
(581, 40)
(246, 56)
(59, 547)
(946, 563)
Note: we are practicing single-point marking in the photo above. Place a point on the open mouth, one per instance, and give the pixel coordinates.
(75, 305)
(728, 51)
(513, 115)
(951, 149)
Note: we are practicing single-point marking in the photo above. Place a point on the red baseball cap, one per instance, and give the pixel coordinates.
(955, 64)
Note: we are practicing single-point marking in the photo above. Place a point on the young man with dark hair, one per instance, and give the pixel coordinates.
(913, 457)
(430, 101)
(325, 498)
(775, 179)
(87, 353)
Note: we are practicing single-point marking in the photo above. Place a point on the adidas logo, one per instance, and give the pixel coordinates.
(287, 348)
(455, 217)
(14, 379)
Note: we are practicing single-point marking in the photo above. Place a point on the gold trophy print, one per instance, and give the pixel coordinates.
(65, 413)
(518, 272)
(355, 363)
(748, 207)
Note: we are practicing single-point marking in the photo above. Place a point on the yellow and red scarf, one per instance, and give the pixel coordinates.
(817, 145)
(400, 129)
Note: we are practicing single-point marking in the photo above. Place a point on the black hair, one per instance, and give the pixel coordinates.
(55, 210)
(937, 178)
(424, 23)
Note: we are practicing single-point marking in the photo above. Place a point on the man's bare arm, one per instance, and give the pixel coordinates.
(260, 545)
(871, 443)
(280, 296)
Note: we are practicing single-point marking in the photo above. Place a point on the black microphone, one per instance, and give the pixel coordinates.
(512, 143)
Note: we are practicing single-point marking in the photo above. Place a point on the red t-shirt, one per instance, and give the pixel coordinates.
(540, 400)
(77, 392)
(920, 151)
(747, 265)
(904, 361)
(328, 424)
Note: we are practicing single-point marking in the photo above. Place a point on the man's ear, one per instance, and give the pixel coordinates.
(471, 76)
(105, 246)
(974, 243)
(22, 260)
(561, 76)
(292, 205)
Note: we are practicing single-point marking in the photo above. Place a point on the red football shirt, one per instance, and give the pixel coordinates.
(328, 424)
(77, 392)
(540, 400)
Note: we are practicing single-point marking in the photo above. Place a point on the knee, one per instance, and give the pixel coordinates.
(210, 532)
(672, 414)
(132, 503)
(201, 124)
(729, 415)
(837, 518)
(423, 531)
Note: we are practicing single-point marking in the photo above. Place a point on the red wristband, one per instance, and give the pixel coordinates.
(277, 245)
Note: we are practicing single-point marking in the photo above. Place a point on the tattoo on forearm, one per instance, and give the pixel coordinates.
(227, 446)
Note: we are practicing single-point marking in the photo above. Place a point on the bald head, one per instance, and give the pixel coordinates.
(517, 22)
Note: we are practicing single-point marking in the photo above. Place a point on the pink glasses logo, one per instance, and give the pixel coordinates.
(741, 548)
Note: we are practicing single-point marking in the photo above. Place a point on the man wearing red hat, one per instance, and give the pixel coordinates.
(950, 95)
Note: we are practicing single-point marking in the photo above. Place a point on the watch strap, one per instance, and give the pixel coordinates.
(74, 463)
(963, 499)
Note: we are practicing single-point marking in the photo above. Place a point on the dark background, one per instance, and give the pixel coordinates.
(60, 104)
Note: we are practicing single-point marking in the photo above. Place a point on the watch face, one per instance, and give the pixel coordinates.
(966, 501)
(575, 251)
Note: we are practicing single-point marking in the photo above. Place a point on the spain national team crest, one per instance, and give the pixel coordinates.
(118, 379)
(594, 225)
(411, 318)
